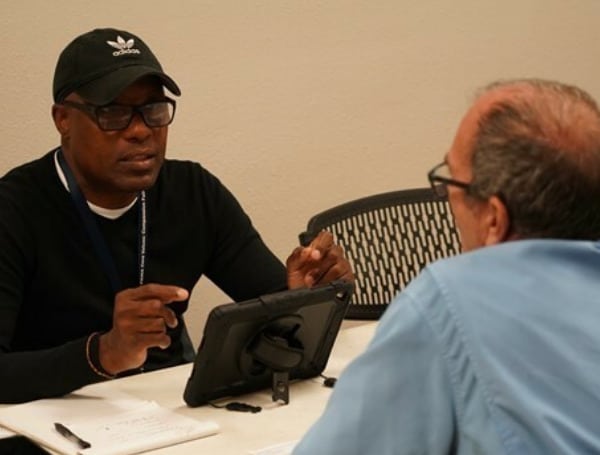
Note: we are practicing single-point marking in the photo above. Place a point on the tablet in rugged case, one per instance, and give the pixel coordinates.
(245, 344)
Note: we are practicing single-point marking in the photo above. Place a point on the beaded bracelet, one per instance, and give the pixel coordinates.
(93, 338)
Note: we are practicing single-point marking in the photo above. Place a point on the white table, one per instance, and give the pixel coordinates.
(243, 432)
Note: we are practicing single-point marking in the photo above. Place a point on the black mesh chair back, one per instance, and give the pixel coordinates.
(388, 238)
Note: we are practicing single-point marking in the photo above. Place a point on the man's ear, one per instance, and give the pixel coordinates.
(496, 222)
(60, 116)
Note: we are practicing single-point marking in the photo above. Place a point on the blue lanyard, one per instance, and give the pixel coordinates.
(98, 240)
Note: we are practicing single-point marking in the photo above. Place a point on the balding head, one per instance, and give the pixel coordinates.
(537, 147)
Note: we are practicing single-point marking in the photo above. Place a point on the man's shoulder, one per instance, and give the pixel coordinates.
(31, 169)
(514, 255)
(178, 169)
(500, 276)
(26, 190)
(188, 183)
(28, 178)
(189, 176)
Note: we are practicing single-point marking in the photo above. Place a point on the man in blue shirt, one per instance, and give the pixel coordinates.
(495, 351)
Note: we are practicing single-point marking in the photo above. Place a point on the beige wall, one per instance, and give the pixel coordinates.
(300, 105)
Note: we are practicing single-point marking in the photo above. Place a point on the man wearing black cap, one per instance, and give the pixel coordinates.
(103, 239)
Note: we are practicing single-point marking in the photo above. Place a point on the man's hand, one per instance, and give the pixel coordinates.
(320, 262)
(140, 319)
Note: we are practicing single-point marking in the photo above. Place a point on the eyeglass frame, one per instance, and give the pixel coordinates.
(433, 178)
(92, 111)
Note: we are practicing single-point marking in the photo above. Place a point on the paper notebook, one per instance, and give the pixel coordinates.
(113, 423)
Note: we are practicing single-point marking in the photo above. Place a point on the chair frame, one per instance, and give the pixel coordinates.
(358, 207)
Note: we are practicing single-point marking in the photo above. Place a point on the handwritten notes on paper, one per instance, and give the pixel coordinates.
(113, 422)
(149, 427)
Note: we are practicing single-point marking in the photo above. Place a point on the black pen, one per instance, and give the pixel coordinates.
(64, 431)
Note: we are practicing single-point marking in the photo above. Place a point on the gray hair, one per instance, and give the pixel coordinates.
(538, 149)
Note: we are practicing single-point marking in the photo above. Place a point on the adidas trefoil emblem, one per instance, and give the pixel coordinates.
(124, 47)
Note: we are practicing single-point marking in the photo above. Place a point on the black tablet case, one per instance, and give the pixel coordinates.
(307, 320)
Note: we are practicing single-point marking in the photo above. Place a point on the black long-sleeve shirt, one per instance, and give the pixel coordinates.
(54, 292)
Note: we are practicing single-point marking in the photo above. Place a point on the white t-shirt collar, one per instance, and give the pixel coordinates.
(111, 214)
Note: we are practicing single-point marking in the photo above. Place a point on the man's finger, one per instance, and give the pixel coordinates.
(162, 292)
(323, 241)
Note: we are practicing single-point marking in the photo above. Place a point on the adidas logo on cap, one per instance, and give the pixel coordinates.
(124, 47)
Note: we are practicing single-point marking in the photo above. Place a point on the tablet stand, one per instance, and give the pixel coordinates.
(276, 347)
(281, 386)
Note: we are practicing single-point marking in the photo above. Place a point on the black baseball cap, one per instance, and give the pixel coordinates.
(100, 64)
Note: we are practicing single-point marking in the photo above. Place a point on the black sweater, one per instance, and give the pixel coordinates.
(54, 292)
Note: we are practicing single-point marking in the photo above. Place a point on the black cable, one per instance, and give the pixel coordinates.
(329, 381)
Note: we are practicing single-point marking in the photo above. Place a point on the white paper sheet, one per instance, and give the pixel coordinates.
(6, 433)
(100, 415)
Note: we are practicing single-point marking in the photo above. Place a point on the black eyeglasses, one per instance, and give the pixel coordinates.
(114, 117)
(439, 179)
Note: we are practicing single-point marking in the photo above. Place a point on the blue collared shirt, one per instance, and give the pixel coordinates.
(491, 352)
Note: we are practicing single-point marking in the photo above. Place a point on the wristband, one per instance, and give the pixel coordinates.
(93, 356)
